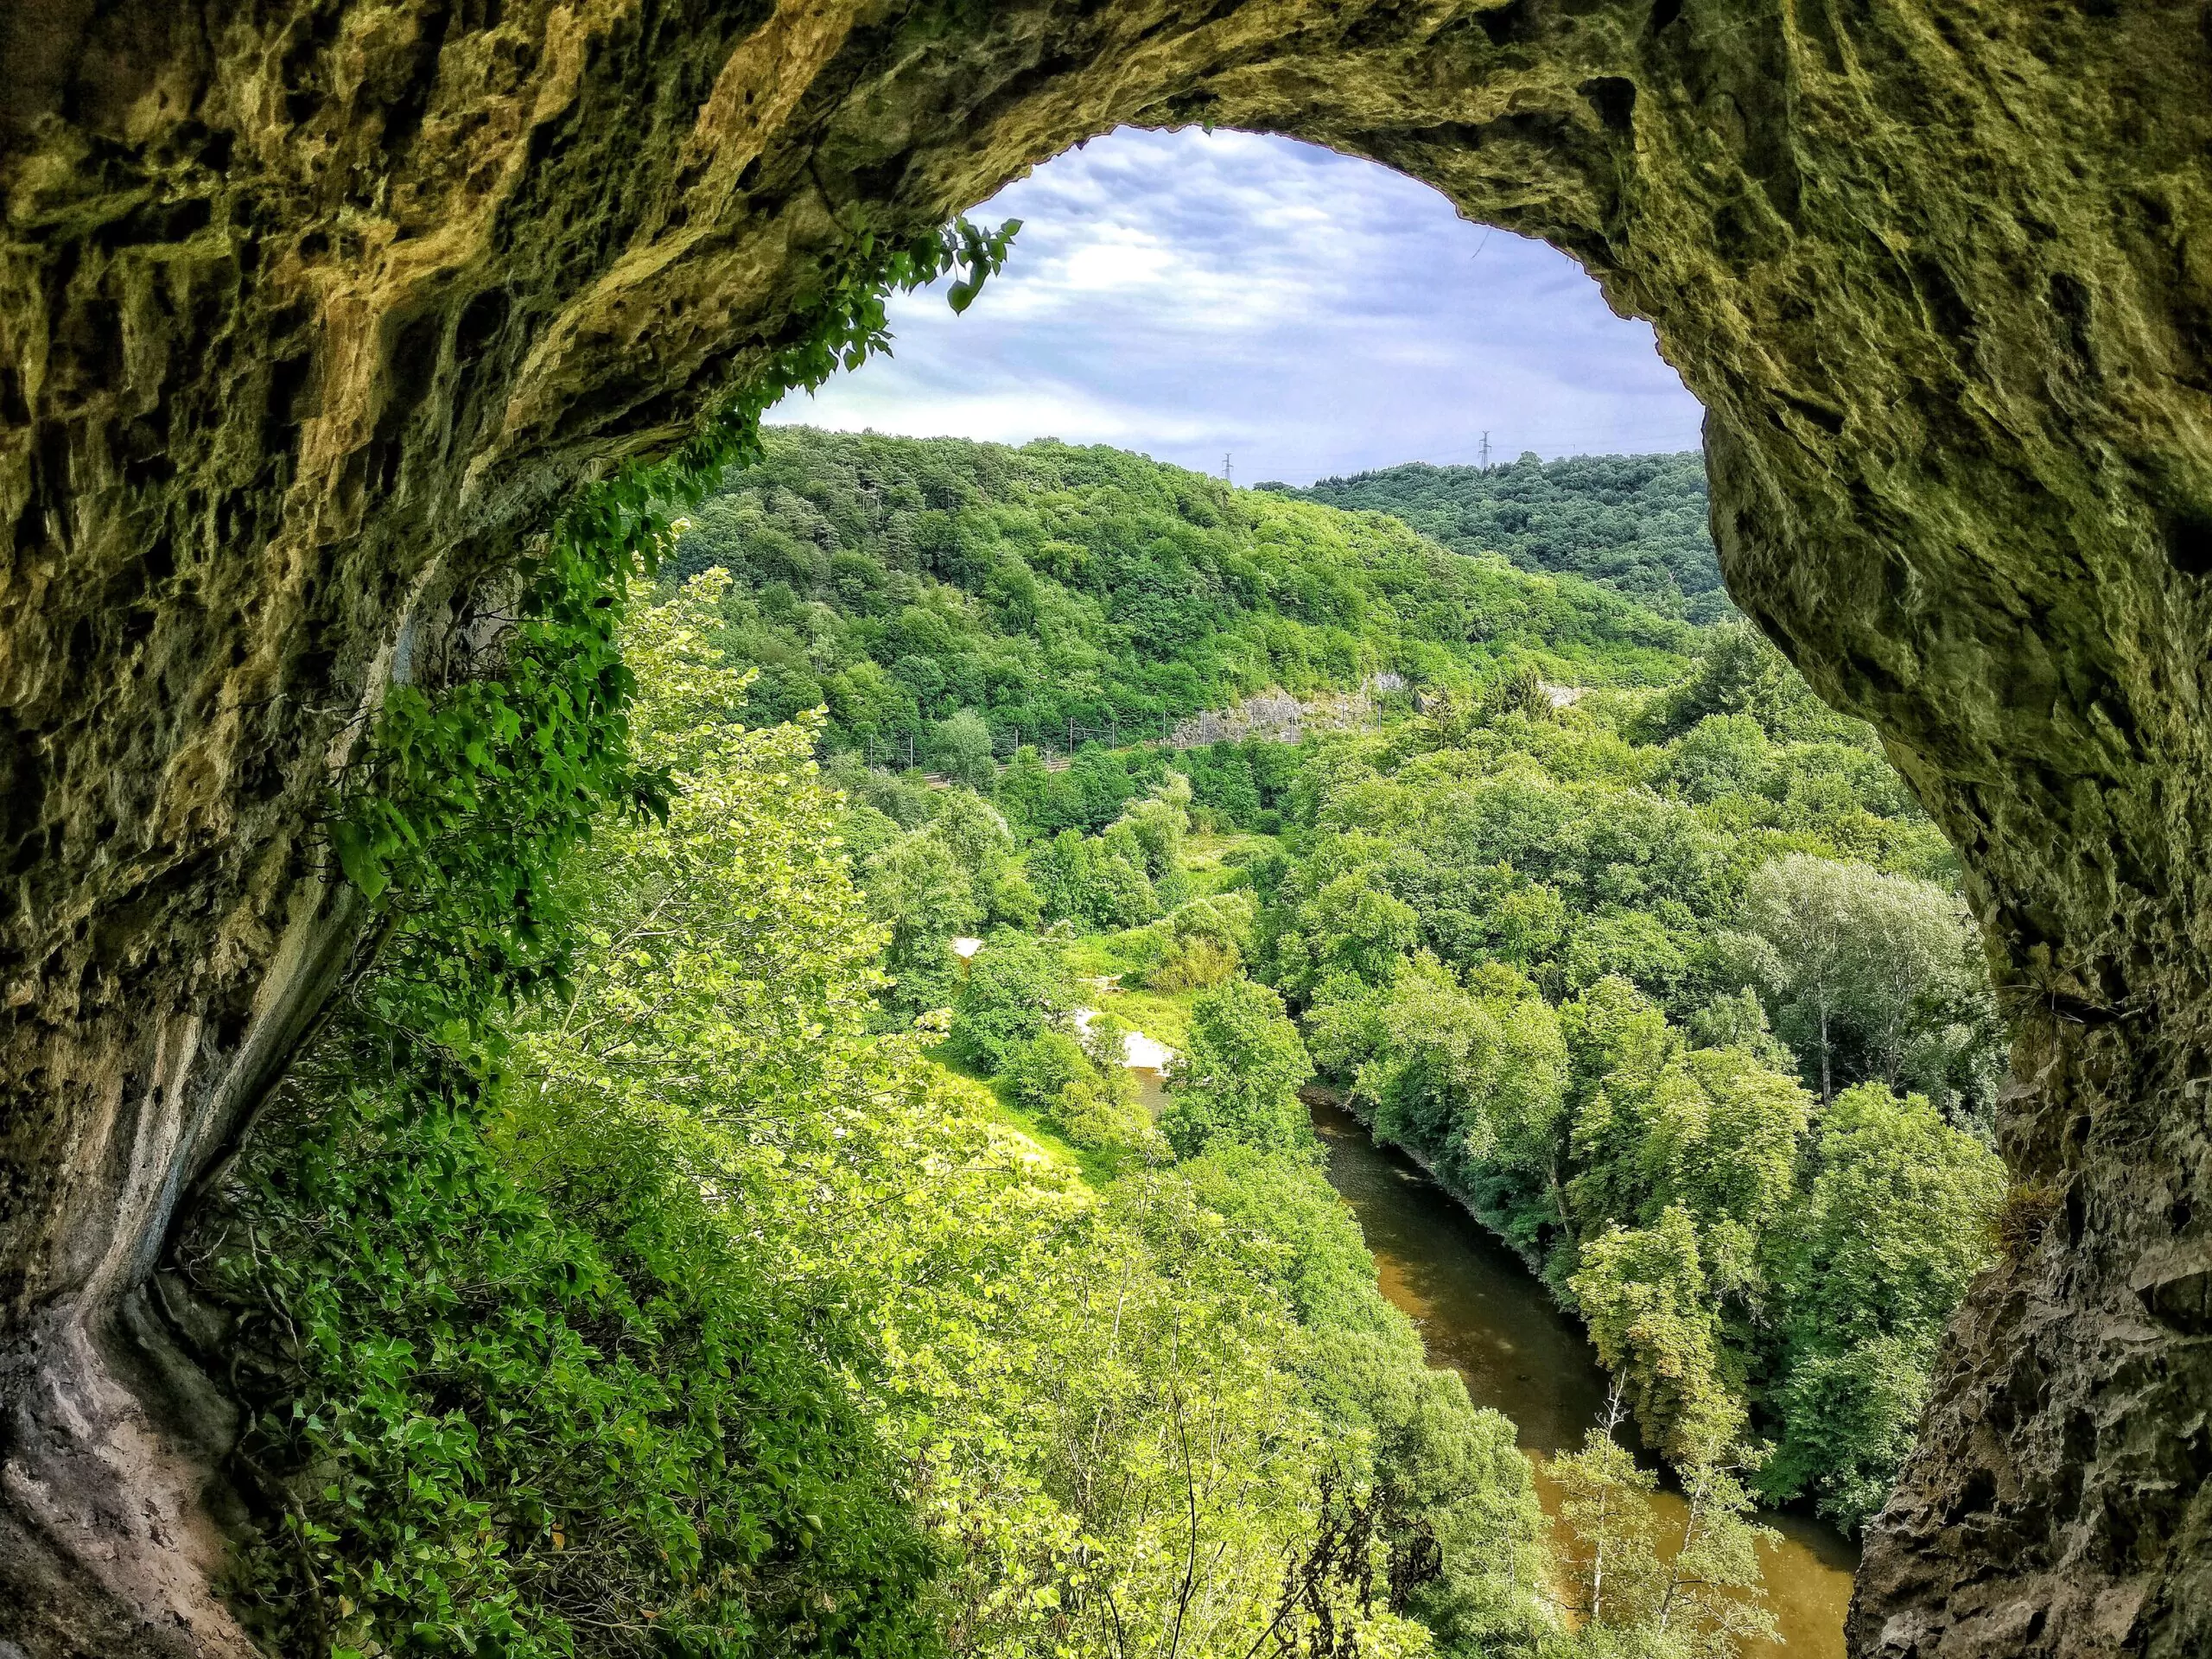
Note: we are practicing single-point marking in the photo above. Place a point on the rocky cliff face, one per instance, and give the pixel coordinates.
(309, 308)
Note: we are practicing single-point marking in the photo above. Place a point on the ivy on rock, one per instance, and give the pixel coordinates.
(552, 1407)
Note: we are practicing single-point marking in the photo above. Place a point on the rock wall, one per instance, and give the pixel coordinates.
(308, 309)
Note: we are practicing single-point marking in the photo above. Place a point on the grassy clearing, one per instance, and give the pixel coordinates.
(1096, 1167)
(1216, 863)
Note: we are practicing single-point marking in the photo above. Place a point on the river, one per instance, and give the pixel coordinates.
(1482, 1313)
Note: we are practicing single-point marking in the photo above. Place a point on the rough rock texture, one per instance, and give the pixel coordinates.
(308, 307)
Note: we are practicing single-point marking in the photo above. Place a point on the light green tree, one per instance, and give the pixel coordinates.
(1917, 959)
(1613, 1565)
(1802, 909)
(980, 840)
(1737, 1162)
(1038, 1071)
(1897, 1221)
(1712, 1602)
(960, 745)
(1859, 965)
(1634, 1103)
(1015, 988)
(1237, 1079)
(1159, 823)
(1098, 880)
(919, 886)
(1099, 1108)
(1723, 754)
(1359, 928)
(1644, 1293)
(1738, 1020)
(973, 828)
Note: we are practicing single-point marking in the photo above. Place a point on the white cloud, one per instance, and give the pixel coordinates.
(1186, 294)
(1117, 260)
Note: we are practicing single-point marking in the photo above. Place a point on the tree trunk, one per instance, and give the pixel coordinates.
(1828, 1072)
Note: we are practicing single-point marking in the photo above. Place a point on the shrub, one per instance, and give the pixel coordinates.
(1103, 1113)
(557, 1415)
(1037, 1073)
(1015, 988)
(1194, 964)
(1239, 1079)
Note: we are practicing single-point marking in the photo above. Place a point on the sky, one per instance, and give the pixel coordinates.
(1197, 296)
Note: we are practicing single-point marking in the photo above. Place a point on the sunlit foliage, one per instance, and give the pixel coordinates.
(1640, 1003)
(1056, 595)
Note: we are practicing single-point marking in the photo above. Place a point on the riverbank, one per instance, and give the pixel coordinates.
(1484, 1314)
(1320, 1095)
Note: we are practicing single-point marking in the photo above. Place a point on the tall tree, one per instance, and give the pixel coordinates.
(1713, 1601)
(1614, 1563)
(1239, 1077)
(960, 745)
(1644, 1293)
(1800, 908)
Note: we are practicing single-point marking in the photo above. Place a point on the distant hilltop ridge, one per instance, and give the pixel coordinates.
(1635, 523)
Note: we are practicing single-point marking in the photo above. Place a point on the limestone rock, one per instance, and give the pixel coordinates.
(308, 309)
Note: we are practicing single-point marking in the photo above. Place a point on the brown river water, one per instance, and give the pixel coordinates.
(1482, 1313)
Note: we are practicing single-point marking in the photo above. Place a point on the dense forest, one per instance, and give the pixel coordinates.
(1672, 1000)
(1566, 954)
(1635, 524)
(735, 1326)
(1057, 593)
(1674, 990)
(770, 1252)
(1672, 984)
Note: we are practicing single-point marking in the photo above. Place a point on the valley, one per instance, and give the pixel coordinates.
(1522, 933)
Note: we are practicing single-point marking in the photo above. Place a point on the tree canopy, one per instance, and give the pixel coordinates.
(1635, 524)
(1058, 593)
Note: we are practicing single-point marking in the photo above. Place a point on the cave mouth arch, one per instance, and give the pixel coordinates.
(1198, 295)
(308, 313)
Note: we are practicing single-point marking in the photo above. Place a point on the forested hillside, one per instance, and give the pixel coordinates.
(1580, 958)
(686, 1305)
(899, 581)
(722, 1217)
(1635, 523)
(1688, 1007)
(1674, 990)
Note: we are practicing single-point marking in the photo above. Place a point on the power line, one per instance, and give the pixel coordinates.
(1570, 441)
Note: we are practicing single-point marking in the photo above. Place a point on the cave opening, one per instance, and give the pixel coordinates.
(1198, 295)
(1940, 288)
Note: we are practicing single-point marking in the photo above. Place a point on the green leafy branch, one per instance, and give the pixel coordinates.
(468, 796)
